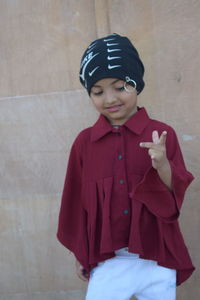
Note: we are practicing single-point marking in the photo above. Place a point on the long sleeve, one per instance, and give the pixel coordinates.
(151, 191)
(72, 227)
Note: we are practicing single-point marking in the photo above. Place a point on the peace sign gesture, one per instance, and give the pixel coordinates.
(157, 149)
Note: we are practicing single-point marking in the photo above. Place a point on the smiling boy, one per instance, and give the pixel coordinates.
(124, 186)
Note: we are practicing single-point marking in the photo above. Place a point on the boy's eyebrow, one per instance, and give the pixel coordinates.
(113, 82)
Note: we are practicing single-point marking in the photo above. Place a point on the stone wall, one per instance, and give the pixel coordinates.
(43, 107)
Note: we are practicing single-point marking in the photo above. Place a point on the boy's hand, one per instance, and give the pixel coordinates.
(157, 149)
(81, 272)
(157, 152)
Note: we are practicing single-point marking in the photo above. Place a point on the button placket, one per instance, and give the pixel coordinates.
(121, 173)
(120, 158)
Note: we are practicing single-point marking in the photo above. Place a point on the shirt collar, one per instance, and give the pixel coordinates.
(136, 124)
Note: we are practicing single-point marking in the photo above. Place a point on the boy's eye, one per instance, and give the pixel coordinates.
(97, 93)
(121, 88)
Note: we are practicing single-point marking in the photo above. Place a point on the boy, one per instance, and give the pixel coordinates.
(124, 186)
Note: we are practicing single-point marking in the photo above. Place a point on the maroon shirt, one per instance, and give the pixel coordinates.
(114, 198)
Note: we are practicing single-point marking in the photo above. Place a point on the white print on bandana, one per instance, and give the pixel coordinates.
(107, 40)
(92, 72)
(112, 57)
(86, 61)
(91, 47)
(109, 57)
(90, 55)
(112, 67)
(112, 44)
(113, 50)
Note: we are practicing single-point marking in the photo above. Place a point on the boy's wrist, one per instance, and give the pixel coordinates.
(165, 166)
(165, 175)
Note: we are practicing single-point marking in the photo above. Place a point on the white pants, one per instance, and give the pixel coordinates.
(127, 275)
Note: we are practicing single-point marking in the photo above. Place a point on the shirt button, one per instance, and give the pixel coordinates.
(126, 211)
(121, 181)
(120, 156)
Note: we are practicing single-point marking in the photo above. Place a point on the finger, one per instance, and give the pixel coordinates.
(155, 137)
(82, 277)
(163, 138)
(153, 154)
(82, 274)
(148, 145)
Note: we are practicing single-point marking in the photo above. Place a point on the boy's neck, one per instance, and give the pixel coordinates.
(116, 125)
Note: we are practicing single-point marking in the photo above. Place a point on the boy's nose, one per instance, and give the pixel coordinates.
(110, 97)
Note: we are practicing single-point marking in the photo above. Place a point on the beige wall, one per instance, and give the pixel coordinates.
(43, 107)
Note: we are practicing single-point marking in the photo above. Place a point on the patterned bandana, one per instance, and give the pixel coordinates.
(113, 56)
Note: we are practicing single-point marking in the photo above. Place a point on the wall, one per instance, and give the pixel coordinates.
(40, 98)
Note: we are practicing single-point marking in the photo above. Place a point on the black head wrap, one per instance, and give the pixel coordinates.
(113, 56)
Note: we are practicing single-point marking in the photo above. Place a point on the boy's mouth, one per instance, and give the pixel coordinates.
(114, 108)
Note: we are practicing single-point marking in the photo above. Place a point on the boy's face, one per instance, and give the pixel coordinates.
(113, 101)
